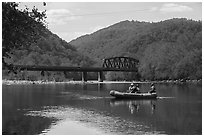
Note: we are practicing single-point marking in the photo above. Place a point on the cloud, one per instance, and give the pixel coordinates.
(172, 7)
(60, 16)
(153, 9)
(58, 11)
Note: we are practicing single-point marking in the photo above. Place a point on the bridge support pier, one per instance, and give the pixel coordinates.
(84, 76)
(100, 76)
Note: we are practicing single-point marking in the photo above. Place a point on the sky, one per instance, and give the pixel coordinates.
(70, 20)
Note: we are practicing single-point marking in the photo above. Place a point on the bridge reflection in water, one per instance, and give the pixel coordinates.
(125, 64)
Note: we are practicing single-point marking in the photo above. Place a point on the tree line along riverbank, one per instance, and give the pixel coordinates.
(13, 82)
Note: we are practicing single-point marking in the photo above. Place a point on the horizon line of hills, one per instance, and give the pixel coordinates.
(170, 49)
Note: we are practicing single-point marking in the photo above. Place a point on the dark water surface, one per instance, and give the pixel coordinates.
(89, 109)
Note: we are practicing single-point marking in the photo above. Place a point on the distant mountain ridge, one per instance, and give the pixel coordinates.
(105, 38)
(156, 45)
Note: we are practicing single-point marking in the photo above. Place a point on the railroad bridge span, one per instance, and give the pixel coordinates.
(125, 64)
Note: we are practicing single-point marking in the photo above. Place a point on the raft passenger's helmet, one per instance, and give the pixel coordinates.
(132, 84)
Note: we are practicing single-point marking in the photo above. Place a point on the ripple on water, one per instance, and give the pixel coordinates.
(76, 96)
(79, 119)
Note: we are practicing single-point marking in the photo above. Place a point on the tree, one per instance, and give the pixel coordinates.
(20, 28)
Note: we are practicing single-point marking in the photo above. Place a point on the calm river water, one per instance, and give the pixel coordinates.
(89, 109)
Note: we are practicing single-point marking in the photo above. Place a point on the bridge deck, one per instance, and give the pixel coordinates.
(63, 68)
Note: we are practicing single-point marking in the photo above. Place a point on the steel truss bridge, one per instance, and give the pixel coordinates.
(125, 64)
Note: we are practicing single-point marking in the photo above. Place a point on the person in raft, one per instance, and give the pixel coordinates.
(133, 88)
(153, 89)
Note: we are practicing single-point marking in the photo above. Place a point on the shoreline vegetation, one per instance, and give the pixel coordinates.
(14, 82)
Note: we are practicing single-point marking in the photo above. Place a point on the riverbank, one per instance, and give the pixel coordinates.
(13, 82)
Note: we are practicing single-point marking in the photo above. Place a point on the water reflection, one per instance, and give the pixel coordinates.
(135, 105)
(84, 86)
(100, 86)
(32, 109)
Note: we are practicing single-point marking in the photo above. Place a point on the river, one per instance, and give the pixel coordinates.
(86, 109)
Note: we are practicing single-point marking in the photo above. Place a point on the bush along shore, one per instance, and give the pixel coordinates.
(13, 82)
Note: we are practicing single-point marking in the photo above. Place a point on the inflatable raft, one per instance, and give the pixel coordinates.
(123, 95)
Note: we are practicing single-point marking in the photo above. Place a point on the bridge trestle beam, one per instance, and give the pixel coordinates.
(100, 76)
(84, 76)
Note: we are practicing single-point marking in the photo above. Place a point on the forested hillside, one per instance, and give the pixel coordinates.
(27, 41)
(49, 51)
(170, 49)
